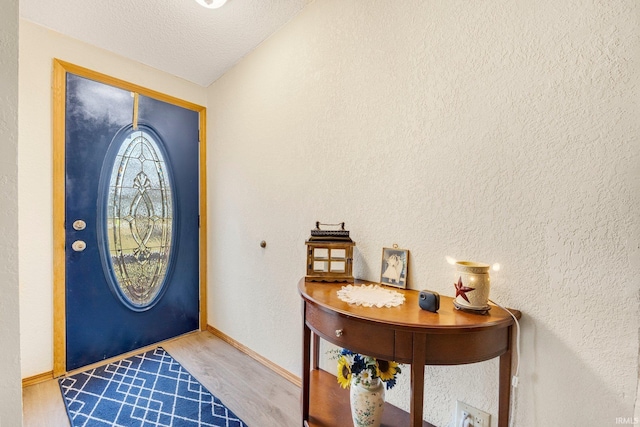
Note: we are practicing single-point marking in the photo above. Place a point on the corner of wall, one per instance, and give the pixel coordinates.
(10, 390)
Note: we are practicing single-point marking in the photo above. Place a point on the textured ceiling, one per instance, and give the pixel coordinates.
(179, 37)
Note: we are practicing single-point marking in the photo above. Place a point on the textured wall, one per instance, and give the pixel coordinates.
(10, 387)
(496, 131)
(38, 47)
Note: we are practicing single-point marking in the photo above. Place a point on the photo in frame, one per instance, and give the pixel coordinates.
(394, 267)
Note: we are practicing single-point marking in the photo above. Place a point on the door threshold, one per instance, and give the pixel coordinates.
(126, 355)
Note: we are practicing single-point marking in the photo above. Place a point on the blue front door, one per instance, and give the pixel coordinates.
(131, 221)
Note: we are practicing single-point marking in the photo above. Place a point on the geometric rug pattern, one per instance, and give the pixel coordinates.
(149, 389)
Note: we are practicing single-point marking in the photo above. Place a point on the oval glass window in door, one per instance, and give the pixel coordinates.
(139, 219)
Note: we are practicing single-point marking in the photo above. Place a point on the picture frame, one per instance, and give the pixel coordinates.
(394, 267)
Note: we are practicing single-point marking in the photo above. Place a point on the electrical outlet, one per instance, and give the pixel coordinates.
(468, 416)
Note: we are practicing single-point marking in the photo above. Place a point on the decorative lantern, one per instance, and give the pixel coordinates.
(329, 255)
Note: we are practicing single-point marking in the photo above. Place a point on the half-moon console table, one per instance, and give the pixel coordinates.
(405, 334)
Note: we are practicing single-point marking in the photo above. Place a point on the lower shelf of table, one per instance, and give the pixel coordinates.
(329, 405)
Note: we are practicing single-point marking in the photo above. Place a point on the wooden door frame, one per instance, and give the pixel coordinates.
(60, 70)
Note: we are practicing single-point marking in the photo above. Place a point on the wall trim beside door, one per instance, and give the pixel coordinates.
(37, 379)
(60, 70)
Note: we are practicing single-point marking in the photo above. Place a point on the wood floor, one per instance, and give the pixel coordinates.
(259, 396)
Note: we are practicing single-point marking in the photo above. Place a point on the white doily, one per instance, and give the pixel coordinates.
(370, 296)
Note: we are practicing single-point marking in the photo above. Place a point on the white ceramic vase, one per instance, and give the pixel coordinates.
(367, 403)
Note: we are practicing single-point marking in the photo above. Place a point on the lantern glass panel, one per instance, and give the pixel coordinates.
(321, 253)
(338, 266)
(338, 254)
(322, 266)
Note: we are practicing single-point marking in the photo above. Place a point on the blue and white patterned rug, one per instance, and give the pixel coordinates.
(150, 389)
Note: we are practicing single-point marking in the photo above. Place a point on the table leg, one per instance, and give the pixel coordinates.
(417, 378)
(306, 362)
(504, 387)
(316, 351)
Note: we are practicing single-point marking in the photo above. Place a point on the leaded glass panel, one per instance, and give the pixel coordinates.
(139, 218)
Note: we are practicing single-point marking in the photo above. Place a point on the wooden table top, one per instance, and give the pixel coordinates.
(408, 315)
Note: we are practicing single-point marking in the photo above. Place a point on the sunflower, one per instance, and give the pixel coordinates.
(344, 372)
(387, 370)
(364, 370)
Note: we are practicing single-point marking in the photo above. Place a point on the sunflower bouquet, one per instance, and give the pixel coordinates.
(364, 370)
